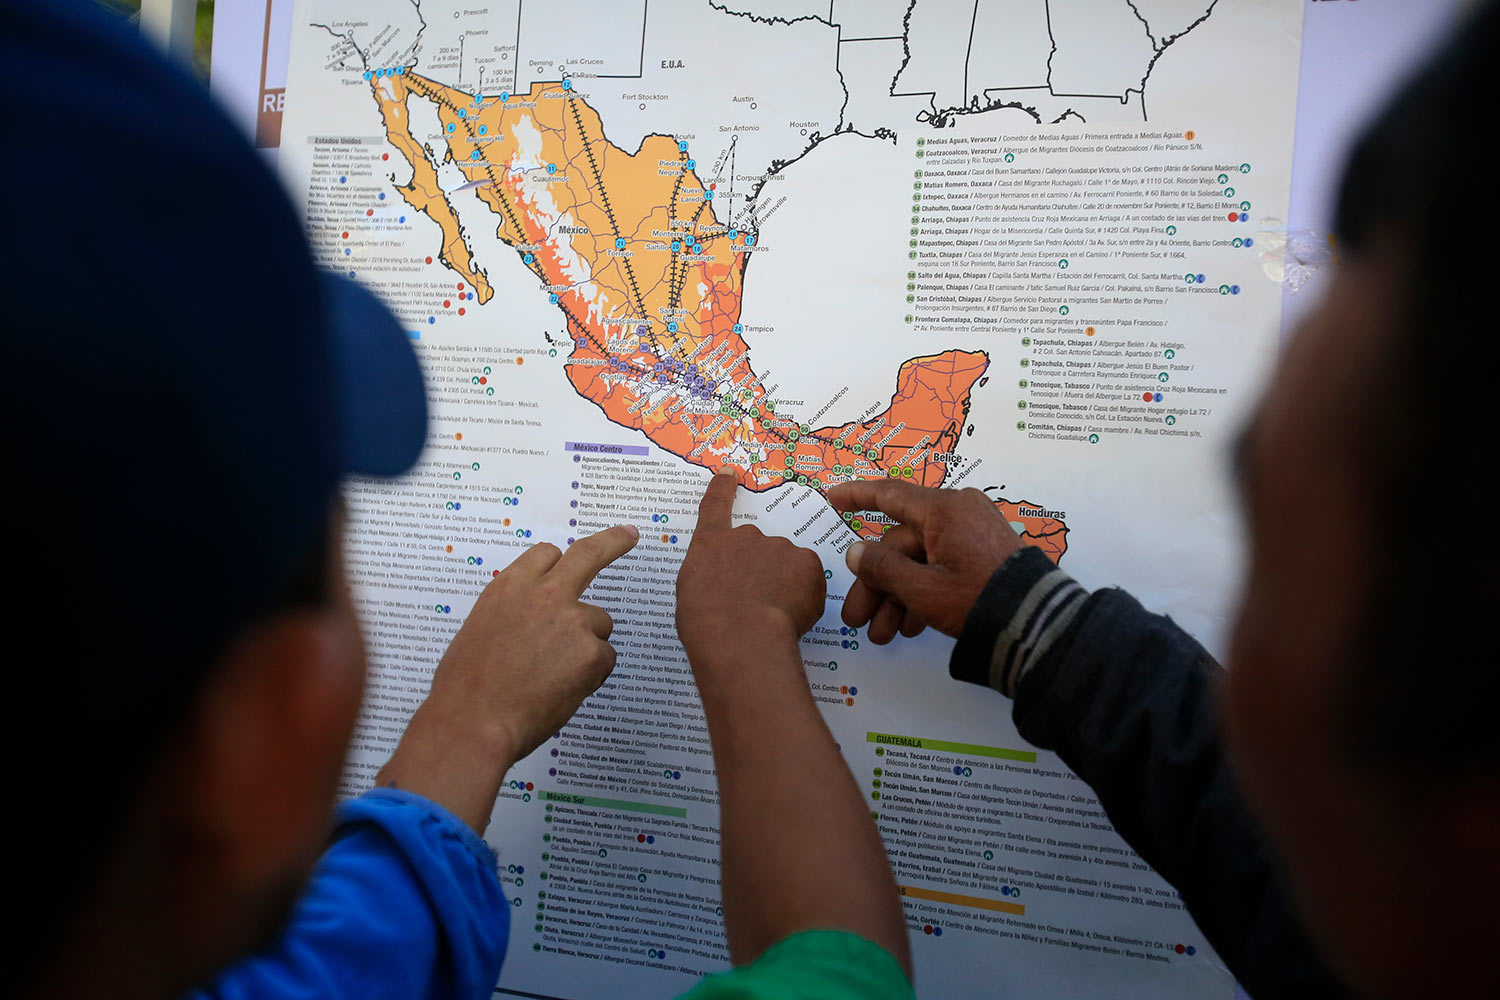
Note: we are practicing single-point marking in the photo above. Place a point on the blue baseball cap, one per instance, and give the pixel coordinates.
(183, 389)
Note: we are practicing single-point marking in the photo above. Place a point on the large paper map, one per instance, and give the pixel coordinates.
(996, 244)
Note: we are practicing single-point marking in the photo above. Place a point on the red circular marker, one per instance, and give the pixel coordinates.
(1234, 217)
(385, 156)
(529, 786)
(927, 929)
(483, 380)
(713, 187)
(1179, 949)
(346, 236)
(640, 838)
(494, 572)
(447, 303)
(369, 211)
(460, 286)
(460, 310)
(429, 260)
(1146, 396)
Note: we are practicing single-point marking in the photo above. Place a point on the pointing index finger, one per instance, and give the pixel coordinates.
(906, 502)
(587, 556)
(716, 509)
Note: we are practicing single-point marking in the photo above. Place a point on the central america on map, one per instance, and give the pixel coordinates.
(629, 248)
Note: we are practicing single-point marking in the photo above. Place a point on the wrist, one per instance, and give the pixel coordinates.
(735, 637)
(457, 759)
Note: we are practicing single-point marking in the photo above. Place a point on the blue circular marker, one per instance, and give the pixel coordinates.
(567, 85)
(351, 274)
(431, 320)
(1249, 242)
(749, 240)
(854, 690)
(451, 126)
(1157, 397)
(1201, 279)
(551, 168)
(655, 518)
(348, 252)
(463, 112)
(1191, 950)
(528, 259)
(734, 234)
(478, 560)
(382, 196)
(843, 630)
(957, 769)
(400, 70)
(368, 74)
(619, 243)
(650, 839)
(457, 505)
(1005, 890)
(697, 248)
(672, 327)
(1234, 289)
(937, 931)
(682, 146)
(504, 96)
(483, 129)
(528, 532)
(343, 180)
(674, 542)
(739, 328)
(474, 155)
(447, 610)
(402, 219)
(708, 196)
(691, 164)
(676, 247)
(552, 298)
(676, 774)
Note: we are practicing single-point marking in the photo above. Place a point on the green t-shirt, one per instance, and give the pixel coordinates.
(812, 965)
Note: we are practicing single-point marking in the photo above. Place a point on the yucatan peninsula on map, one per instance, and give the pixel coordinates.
(628, 247)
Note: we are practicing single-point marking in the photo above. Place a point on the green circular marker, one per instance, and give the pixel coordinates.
(793, 434)
(1171, 230)
(1010, 157)
(521, 881)
(1021, 404)
(553, 352)
(1093, 439)
(519, 490)
(853, 644)
(474, 380)
(801, 480)
(834, 664)
(857, 523)
(1238, 242)
(602, 853)
(876, 781)
(1063, 264)
(1025, 341)
(1190, 278)
(486, 369)
(535, 946)
(489, 390)
(790, 461)
(1023, 383)
(641, 878)
(872, 453)
(1244, 206)
(1170, 353)
(475, 466)
(1020, 425)
(458, 475)
(1025, 362)
(1223, 289)
(906, 472)
(1223, 178)
(525, 796)
(880, 751)
(828, 574)
(893, 473)
(1171, 420)
(1229, 192)
(908, 317)
(875, 795)
(1163, 377)
(1244, 168)
(1063, 310)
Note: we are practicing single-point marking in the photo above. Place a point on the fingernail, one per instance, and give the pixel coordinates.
(852, 556)
(632, 530)
(727, 471)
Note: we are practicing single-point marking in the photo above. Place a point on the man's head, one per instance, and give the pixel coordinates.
(184, 392)
(1361, 688)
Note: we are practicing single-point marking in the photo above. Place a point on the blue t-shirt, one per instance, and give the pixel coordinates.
(406, 905)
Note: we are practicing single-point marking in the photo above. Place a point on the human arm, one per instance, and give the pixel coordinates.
(525, 659)
(799, 850)
(1125, 698)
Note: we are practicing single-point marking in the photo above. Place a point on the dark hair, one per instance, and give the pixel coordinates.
(1421, 685)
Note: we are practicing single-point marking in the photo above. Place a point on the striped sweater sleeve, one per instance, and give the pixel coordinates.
(1127, 699)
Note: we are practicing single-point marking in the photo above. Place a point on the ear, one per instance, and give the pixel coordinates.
(266, 747)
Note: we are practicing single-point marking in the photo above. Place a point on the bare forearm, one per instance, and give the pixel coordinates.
(799, 848)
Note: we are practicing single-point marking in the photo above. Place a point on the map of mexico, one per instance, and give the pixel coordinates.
(1005, 245)
(629, 248)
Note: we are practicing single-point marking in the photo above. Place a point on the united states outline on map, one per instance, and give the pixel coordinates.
(629, 249)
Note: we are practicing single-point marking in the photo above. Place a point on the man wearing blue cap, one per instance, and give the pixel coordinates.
(185, 392)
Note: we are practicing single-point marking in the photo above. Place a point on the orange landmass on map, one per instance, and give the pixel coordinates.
(629, 248)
